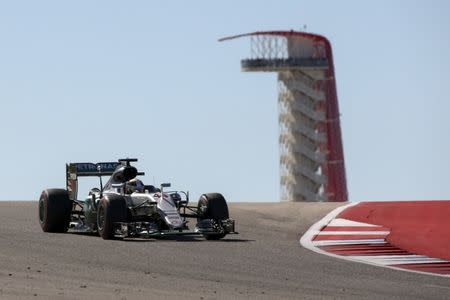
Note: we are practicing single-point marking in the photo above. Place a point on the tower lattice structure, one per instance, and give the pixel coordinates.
(311, 154)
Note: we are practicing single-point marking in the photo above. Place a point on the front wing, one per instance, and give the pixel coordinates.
(149, 230)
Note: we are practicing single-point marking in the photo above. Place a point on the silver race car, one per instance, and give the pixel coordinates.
(125, 207)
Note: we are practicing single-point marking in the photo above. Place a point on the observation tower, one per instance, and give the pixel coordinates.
(311, 155)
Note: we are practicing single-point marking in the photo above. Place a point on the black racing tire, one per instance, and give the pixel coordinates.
(111, 209)
(213, 206)
(55, 208)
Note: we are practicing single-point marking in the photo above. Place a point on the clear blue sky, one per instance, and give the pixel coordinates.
(101, 80)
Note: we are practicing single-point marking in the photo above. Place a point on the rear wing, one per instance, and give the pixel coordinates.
(75, 170)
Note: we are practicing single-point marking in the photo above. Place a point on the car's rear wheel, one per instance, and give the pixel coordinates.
(213, 206)
(55, 208)
(111, 209)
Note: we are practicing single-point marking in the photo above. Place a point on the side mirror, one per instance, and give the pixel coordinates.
(164, 185)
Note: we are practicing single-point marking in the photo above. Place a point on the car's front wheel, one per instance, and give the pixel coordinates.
(111, 209)
(213, 207)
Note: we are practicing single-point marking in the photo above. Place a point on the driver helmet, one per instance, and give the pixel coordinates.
(134, 185)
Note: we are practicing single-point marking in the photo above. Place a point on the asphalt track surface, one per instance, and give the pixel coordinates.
(264, 261)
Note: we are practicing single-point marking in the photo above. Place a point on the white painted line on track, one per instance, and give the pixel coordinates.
(348, 242)
(397, 259)
(352, 233)
(345, 223)
(307, 242)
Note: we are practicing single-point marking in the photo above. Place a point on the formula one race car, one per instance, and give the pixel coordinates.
(125, 207)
